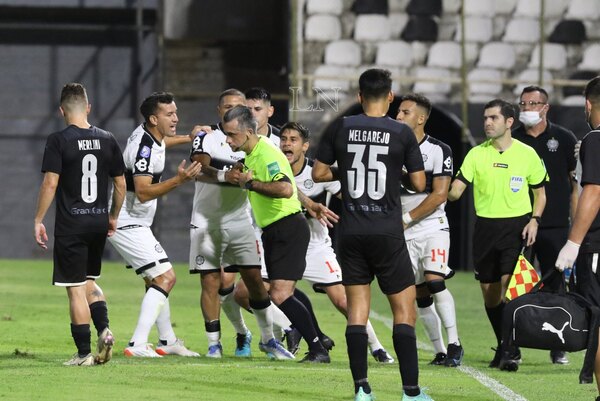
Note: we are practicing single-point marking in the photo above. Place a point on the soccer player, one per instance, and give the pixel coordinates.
(370, 150)
(502, 170)
(79, 162)
(427, 234)
(221, 234)
(555, 145)
(259, 101)
(268, 178)
(144, 158)
(583, 243)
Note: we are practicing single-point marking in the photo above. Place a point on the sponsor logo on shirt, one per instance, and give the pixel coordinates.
(273, 168)
(516, 183)
(500, 165)
(145, 152)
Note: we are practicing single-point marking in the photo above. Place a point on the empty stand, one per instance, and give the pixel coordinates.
(477, 29)
(531, 8)
(394, 53)
(591, 55)
(329, 77)
(397, 23)
(504, 7)
(372, 27)
(479, 8)
(334, 7)
(531, 77)
(555, 57)
(568, 32)
(424, 7)
(497, 55)
(481, 92)
(436, 91)
(522, 30)
(583, 9)
(583, 75)
(322, 27)
(445, 55)
(451, 6)
(343, 52)
(421, 29)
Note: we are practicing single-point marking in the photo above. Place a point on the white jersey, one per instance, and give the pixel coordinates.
(317, 191)
(273, 135)
(218, 204)
(143, 156)
(437, 158)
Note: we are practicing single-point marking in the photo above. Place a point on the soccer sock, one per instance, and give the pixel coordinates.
(280, 319)
(82, 337)
(232, 310)
(300, 318)
(356, 340)
(444, 303)
(431, 322)
(166, 335)
(495, 316)
(405, 345)
(99, 312)
(264, 317)
(374, 343)
(153, 302)
(302, 297)
(213, 331)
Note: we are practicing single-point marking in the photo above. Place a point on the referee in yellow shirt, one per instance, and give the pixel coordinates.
(501, 170)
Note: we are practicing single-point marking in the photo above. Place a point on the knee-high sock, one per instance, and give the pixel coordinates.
(433, 327)
(300, 318)
(81, 336)
(356, 341)
(153, 302)
(302, 297)
(495, 317)
(444, 304)
(405, 345)
(264, 317)
(374, 343)
(232, 310)
(164, 326)
(99, 313)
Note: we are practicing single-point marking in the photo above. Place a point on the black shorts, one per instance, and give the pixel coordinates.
(587, 277)
(77, 258)
(285, 243)
(364, 257)
(496, 246)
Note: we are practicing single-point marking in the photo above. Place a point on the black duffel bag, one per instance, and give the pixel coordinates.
(553, 321)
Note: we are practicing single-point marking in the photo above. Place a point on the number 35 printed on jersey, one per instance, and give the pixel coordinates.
(89, 180)
(372, 176)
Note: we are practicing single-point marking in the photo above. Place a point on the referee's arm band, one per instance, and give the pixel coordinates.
(540, 185)
(460, 177)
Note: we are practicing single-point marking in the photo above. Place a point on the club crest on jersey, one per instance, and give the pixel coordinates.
(308, 184)
(424, 157)
(516, 183)
(158, 248)
(273, 168)
(200, 260)
(552, 145)
(145, 152)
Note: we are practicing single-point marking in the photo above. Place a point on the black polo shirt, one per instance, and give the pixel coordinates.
(555, 146)
(590, 162)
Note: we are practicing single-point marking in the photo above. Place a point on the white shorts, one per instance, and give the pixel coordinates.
(429, 254)
(141, 251)
(211, 249)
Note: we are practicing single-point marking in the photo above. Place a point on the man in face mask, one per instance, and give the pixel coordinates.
(554, 144)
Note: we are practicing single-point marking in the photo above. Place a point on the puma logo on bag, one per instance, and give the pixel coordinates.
(548, 327)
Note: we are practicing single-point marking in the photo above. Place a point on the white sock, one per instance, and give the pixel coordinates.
(374, 343)
(280, 319)
(433, 327)
(444, 303)
(213, 337)
(163, 324)
(264, 318)
(152, 305)
(234, 313)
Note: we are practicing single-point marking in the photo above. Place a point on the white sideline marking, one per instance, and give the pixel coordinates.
(492, 384)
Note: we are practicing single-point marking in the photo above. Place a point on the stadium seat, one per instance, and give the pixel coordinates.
(431, 88)
(343, 52)
(451, 7)
(480, 91)
(531, 77)
(325, 78)
(568, 32)
(323, 28)
(372, 27)
(445, 55)
(477, 29)
(522, 30)
(555, 57)
(531, 8)
(397, 23)
(497, 55)
(394, 53)
(370, 7)
(574, 100)
(424, 7)
(583, 9)
(420, 29)
(504, 7)
(396, 72)
(395, 6)
(479, 8)
(334, 7)
(591, 55)
(583, 75)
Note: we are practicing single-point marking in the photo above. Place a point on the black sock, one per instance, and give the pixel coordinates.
(99, 312)
(302, 297)
(357, 342)
(300, 318)
(82, 335)
(495, 316)
(405, 345)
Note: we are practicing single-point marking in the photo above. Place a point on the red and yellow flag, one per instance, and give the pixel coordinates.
(523, 279)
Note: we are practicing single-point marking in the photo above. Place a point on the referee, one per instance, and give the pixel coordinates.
(273, 196)
(502, 170)
(555, 145)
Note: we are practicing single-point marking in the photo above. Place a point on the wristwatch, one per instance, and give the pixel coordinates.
(248, 185)
(537, 218)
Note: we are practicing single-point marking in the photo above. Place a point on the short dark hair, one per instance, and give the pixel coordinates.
(72, 95)
(419, 99)
(304, 132)
(150, 104)
(535, 88)
(231, 92)
(375, 83)
(592, 90)
(243, 115)
(258, 93)
(506, 109)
